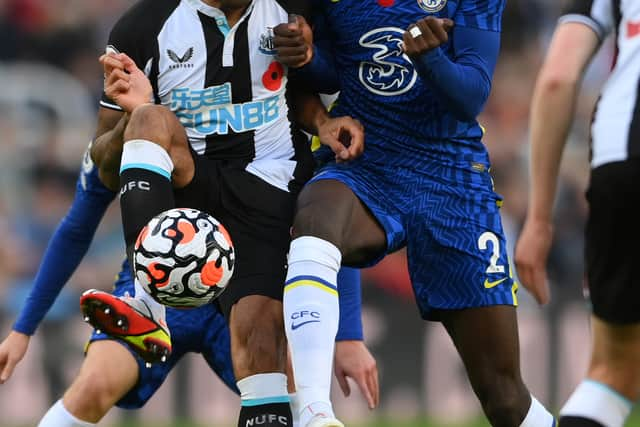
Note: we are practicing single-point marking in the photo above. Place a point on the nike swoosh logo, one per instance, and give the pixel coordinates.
(489, 285)
(294, 327)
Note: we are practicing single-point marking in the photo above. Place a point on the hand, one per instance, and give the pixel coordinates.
(426, 34)
(294, 42)
(532, 250)
(354, 360)
(12, 350)
(124, 82)
(344, 135)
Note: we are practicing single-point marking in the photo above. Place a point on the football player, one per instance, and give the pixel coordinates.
(415, 73)
(605, 397)
(112, 374)
(207, 127)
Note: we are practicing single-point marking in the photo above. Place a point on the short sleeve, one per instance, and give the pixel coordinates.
(136, 34)
(298, 7)
(480, 14)
(596, 14)
(124, 38)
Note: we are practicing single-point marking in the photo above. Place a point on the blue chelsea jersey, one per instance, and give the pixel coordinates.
(381, 87)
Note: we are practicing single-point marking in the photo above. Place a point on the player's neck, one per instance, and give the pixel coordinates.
(233, 9)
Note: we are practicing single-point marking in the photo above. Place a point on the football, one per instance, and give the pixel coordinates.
(184, 258)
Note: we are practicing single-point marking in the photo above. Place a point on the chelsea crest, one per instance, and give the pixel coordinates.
(432, 6)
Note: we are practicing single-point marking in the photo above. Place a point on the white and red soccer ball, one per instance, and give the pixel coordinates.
(184, 258)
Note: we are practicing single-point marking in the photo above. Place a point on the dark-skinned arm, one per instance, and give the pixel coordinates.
(344, 135)
(308, 54)
(106, 150)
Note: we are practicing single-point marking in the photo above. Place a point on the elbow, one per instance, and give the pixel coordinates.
(469, 113)
(557, 80)
(468, 110)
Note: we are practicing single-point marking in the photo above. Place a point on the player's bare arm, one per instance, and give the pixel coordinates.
(106, 148)
(128, 87)
(344, 135)
(552, 110)
(125, 83)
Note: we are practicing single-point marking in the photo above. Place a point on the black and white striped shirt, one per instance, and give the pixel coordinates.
(222, 82)
(615, 130)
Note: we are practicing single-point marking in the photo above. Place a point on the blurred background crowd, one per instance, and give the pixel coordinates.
(50, 84)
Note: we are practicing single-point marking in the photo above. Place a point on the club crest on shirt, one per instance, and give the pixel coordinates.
(432, 5)
(267, 46)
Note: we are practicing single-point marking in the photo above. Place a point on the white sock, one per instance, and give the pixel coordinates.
(141, 153)
(158, 310)
(538, 416)
(598, 402)
(262, 389)
(311, 314)
(58, 416)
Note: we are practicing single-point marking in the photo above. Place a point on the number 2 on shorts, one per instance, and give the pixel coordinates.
(484, 238)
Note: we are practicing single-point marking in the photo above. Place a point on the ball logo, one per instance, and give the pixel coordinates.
(432, 5)
(389, 71)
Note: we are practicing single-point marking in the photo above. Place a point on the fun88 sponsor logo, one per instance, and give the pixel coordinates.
(210, 110)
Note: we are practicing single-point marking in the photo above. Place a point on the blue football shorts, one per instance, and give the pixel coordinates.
(198, 330)
(448, 218)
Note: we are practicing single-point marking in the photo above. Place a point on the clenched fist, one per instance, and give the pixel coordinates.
(426, 34)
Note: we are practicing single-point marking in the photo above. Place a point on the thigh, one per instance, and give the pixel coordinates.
(344, 205)
(108, 373)
(611, 242)
(158, 124)
(258, 217)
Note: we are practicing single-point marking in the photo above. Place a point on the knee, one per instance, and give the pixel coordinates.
(505, 400)
(151, 122)
(312, 220)
(259, 341)
(91, 396)
(312, 217)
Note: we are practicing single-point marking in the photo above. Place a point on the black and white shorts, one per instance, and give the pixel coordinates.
(258, 217)
(613, 241)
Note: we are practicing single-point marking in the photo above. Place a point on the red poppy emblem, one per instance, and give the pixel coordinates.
(272, 78)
